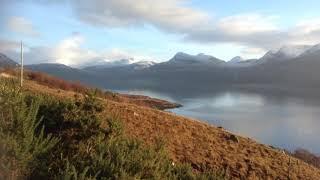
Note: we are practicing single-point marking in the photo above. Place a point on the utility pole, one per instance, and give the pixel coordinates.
(21, 65)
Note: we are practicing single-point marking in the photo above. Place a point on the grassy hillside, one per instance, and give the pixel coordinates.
(42, 137)
(196, 149)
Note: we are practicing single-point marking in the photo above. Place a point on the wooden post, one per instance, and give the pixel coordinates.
(21, 65)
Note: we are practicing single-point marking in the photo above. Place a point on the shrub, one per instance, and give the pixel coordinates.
(23, 145)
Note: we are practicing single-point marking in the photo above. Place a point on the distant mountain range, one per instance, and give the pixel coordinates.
(291, 67)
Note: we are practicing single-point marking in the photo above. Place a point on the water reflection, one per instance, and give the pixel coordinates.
(286, 122)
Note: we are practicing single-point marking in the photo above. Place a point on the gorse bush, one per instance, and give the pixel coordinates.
(45, 138)
(23, 145)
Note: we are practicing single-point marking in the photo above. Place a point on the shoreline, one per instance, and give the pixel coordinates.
(151, 102)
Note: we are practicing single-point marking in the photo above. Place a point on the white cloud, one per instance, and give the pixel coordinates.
(307, 26)
(22, 25)
(253, 30)
(68, 52)
(175, 16)
(168, 15)
(117, 54)
(305, 32)
(246, 24)
(251, 53)
(8, 45)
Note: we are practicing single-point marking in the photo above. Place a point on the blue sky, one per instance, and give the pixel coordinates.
(79, 32)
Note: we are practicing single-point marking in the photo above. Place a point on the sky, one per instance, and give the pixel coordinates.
(83, 32)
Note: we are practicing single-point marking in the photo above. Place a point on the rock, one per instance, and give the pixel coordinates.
(173, 164)
(233, 138)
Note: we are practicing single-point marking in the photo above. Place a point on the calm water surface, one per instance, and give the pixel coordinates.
(288, 123)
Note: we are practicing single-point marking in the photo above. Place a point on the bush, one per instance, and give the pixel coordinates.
(23, 145)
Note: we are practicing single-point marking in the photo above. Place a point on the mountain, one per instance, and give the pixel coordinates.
(183, 58)
(6, 61)
(143, 65)
(240, 62)
(285, 53)
(68, 73)
(291, 68)
(236, 59)
(123, 63)
(313, 50)
(108, 64)
(294, 51)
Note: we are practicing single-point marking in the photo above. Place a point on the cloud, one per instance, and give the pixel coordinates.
(253, 30)
(168, 15)
(305, 32)
(175, 16)
(8, 45)
(244, 24)
(249, 52)
(249, 30)
(22, 25)
(68, 51)
(117, 54)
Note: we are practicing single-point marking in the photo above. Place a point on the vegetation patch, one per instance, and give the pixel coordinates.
(45, 138)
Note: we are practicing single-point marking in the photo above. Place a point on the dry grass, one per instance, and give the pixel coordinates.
(47, 80)
(206, 146)
(202, 145)
(307, 156)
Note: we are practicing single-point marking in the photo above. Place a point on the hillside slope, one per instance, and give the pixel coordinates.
(6, 62)
(203, 146)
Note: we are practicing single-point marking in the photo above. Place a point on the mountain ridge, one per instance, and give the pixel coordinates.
(204, 71)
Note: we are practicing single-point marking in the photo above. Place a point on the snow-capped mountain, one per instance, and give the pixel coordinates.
(143, 64)
(109, 64)
(183, 58)
(301, 65)
(285, 53)
(123, 64)
(240, 62)
(312, 50)
(294, 51)
(236, 59)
